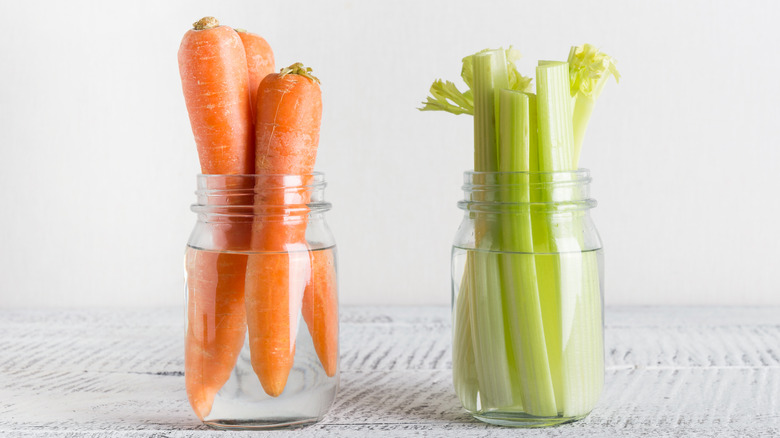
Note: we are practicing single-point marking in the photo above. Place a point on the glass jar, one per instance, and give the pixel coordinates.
(527, 296)
(261, 342)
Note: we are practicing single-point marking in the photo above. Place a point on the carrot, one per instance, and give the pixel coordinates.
(259, 59)
(320, 309)
(215, 81)
(288, 114)
(216, 323)
(287, 128)
(214, 76)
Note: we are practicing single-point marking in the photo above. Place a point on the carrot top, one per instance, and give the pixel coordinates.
(299, 69)
(205, 23)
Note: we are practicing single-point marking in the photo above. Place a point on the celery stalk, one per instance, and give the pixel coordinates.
(464, 373)
(573, 299)
(496, 380)
(518, 274)
(556, 142)
(583, 108)
(487, 308)
(554, 154)
(516, 133)
(490, 75)
(582, 360)
(589, 70)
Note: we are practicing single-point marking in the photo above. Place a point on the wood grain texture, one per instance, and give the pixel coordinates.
(704, 372)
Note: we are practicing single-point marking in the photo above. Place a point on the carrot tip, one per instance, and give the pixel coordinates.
(202, 408)
(275, 390)
(205, 23)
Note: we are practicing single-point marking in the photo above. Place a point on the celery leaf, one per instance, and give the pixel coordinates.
(445, 96)
(589, 69)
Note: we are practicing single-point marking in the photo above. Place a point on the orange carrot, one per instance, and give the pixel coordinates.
(287, 128)
(288, 114)
(259, 59)
(216, 323)
(213, 69)
(321, 310)
(215, 81)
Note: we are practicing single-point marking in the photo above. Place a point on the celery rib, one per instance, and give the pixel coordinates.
(464, 372)
(583, 359)
(497, 383)
(572, 297)
(488, 334)
(518, 274)
(554, 117)
(489, 75)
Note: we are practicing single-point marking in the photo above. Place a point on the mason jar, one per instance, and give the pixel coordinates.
(261, 338)
(527, 297)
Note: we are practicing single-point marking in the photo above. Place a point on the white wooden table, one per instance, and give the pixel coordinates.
(708, 372)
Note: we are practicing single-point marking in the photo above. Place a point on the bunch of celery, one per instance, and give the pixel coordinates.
(527, 335)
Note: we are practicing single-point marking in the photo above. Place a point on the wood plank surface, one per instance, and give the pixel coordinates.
(704, 372)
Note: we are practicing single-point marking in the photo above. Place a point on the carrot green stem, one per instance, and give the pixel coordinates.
(299, 69)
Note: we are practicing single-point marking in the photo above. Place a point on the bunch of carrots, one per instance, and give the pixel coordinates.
(248, 120)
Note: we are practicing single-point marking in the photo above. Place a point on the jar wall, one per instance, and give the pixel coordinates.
(527, 285)
(261, 342)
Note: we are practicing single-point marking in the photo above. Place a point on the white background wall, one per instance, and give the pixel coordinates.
(97, 161)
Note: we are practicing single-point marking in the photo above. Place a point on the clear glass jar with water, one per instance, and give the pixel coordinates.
(527, 286)
(261, 338)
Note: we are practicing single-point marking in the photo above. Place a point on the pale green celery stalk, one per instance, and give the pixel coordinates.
(523, 313)
(497, 383)
(464, 371)
(554, 154)
(556, 142)
(567, 299)
(490, 75)
(583, 352)
(589, 70)
(517, 81)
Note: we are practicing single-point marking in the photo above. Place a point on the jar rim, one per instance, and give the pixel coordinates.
(579, 170)
(234, 194)
(581, 174)
(522, 190)
(314, 173)
(524, 207)
(313, 179)
(473, 179)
